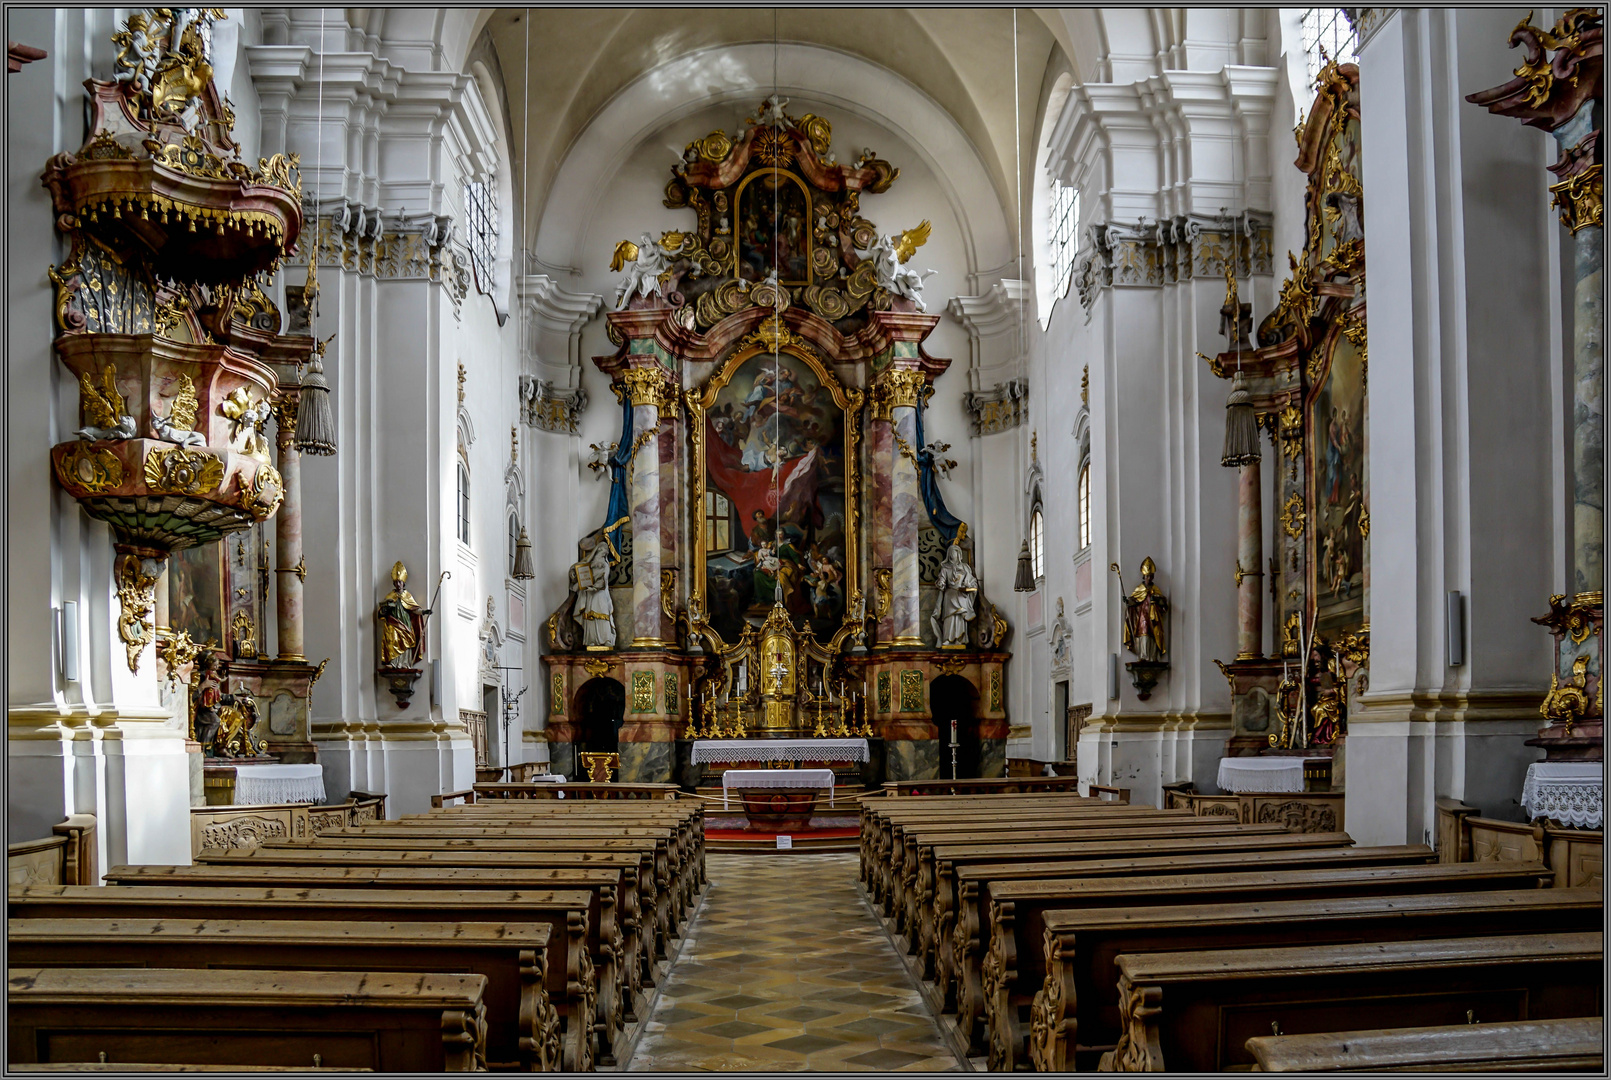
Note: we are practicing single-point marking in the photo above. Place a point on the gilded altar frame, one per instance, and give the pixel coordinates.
(773, 337)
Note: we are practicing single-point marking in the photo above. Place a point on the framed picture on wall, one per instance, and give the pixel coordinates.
(196, 602)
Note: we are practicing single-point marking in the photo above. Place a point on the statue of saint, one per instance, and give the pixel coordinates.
(1146, 616)
(958, 591)
(402, 623)
(207, 684)
(594, 611)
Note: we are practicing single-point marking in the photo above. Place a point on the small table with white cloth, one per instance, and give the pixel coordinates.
(777, 778)
(1274, 773)
(1569, 792)
(728, 751)
(267, 785)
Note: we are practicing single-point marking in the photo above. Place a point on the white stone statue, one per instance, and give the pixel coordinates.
(890, 255)
(1061, 632)
(959, 591)
(594, 612)
(643, 262)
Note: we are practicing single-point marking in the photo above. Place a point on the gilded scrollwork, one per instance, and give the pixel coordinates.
(1293, 515)
(182, 471)
(136, 578)
(91, 469)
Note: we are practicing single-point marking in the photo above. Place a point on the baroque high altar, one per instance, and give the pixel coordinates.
(777, 558)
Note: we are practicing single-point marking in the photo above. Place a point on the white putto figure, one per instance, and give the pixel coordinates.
(644, 263)
(593, 611)
(890, 255)
(958, 599)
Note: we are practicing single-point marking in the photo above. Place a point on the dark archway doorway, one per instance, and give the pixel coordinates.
(954, 698)
(600, 707)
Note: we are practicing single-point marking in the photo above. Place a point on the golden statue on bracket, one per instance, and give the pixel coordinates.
(402, 623)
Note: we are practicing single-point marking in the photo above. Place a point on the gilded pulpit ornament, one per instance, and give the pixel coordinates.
(178, 425)
(243, 636)
(958, 590)
(248, 419)
(1146, 621)
(103, 408)
(136, 578)
(181, 471)
(594, 611)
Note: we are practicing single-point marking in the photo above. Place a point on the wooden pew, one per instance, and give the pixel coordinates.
(984, 786)
(522, 1025)
(1074, 963)
(687, 846)
(878, 814)
(893, 858)
(1576, 1045)
(947, 858)
(961, 887)
(572, 984)
(686, 819)
(605, 934)
(647, 919)
(382, 1021)
(912, 883)
(1016, 907)
(1196, 1011)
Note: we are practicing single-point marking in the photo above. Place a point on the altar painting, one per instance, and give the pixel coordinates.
(1337, 498)
(774, 228)
(196, 592)
(774, 497)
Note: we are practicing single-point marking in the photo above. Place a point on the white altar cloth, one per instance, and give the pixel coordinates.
(730, 750)
(1261, 774)
(1570, 792)
(265, 785)
(778, 778)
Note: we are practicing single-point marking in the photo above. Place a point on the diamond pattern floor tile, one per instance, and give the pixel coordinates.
(784, 970)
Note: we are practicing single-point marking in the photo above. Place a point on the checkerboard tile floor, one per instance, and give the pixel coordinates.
(784, 969)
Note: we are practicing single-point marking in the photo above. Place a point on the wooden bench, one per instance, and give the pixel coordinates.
(572, 984)
(647, 912)
(1576, 1045)
(961, 887)
(919, 880)
(913, 882)
(1016, 907)
(1074, 963)
(984, 786)
(382, 1021)
(523, 1030)
(65, 857)
(606, 935)
(1196, 1011)
(890, 855)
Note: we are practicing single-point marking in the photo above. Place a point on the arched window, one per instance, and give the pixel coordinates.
(1085, 506)
(1037, 561)
(514, 539)
(1064, 236)
(464, 502)
(1331, 29)
(481, 230)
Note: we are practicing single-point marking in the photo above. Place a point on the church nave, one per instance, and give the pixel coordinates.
(783, 969)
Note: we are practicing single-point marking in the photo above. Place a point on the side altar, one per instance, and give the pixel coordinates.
(758, 575)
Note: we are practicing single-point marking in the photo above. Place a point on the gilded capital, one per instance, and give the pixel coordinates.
(896, 388)
(647, 386)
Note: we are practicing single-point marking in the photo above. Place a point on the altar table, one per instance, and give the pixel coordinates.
(730, 750)
(777, 778)
(266, 785)
(1569, 792)
(1282, 773)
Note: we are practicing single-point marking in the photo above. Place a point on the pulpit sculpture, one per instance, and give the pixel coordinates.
(594, 611)
(958, 598)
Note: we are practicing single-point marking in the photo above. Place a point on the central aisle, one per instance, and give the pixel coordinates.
(784, 969)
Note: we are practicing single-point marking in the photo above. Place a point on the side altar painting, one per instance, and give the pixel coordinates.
(774, 512)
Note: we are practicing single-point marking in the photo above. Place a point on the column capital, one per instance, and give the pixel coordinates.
(645, 382)
(896, 387)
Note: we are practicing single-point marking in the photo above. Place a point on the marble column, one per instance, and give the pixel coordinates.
(1588, 411)
(906, 509)
(644, 386)
(1249, 561)
(895, 398)
(288, 533)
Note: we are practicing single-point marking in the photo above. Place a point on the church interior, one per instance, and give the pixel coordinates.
(953, 487)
